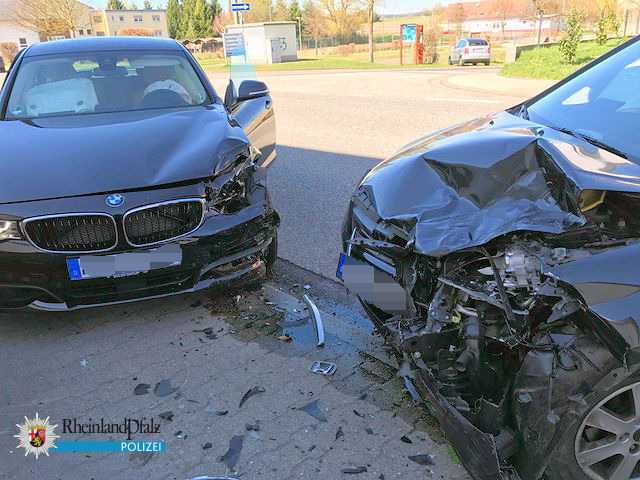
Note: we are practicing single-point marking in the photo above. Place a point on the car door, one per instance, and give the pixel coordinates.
(254, 112)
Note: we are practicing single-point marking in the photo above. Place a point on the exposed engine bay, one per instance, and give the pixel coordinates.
(508, 340)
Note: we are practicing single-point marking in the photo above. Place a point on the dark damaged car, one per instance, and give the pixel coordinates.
(125, 177)
(501, 258)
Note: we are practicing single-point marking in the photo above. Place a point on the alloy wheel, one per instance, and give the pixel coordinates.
(607, 445)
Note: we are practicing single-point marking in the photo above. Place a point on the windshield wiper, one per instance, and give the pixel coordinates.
(593, 141)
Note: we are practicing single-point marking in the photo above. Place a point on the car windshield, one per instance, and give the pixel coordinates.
(103, 82)
(603, 103)
(476, 42)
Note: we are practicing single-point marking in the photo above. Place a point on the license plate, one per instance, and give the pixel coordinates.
(123, 264)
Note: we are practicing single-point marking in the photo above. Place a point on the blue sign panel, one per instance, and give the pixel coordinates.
(240, 7)
(409, 33)
(234, 44)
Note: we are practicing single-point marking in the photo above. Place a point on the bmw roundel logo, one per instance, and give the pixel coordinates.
(114, 200)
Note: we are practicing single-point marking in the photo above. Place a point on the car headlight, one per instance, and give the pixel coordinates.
(9, 230)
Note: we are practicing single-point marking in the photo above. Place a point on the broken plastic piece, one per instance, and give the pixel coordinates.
(323, 368)
(314, 410)
(250, 393)
(317, 320)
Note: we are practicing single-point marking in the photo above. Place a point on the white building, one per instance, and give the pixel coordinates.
(11, 31)
(269, 42)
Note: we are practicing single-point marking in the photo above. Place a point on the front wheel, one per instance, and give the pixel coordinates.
(605, 443)
(271, 255)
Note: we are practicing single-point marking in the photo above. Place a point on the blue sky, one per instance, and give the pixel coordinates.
(389, 6)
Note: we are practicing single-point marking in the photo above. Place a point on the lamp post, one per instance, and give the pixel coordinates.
(299, 32)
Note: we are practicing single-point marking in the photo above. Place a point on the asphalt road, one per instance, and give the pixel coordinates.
(334, 126)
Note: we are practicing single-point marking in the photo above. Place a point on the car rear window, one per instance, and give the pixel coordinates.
(104, 82)
(477, 42)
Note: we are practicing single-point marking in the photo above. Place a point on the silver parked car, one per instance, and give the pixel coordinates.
(470, 50)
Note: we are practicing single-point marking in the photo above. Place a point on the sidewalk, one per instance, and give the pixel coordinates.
(493, 82)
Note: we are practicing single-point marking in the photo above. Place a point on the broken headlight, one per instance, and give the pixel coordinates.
(227, 191)
(231, 197)
(9, 230)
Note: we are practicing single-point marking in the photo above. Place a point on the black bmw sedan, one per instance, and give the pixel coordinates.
(126, 177)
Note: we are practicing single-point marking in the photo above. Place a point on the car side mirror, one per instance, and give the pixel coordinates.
(250, 89)
(230, 97)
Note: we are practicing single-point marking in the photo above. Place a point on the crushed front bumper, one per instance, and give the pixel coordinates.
(225, 249)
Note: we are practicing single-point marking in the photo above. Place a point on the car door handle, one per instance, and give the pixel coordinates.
(268, 104)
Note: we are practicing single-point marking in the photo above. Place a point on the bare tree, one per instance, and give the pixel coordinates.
(314, 22)
(503, 9)
(50, 17)
(344, 16)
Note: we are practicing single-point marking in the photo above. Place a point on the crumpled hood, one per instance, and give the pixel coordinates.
(71, 156)
(464, 186)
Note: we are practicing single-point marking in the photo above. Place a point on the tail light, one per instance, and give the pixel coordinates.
(466, 50)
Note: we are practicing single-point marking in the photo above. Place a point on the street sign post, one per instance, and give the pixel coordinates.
(240, 7)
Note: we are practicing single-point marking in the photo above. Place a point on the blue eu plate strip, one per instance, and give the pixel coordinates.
(73, 266)
(343, 258)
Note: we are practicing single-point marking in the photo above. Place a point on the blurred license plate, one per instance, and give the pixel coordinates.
(123, 264)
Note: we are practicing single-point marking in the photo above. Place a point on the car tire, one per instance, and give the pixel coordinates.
(564, 464)
(450, 61)
(460, 62)
(487, 63)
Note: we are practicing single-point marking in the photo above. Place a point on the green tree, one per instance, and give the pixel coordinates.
(216, 8)
(187, 20)
(133, 6)
(147, 5)
(295, 13)
(115, 5)
(573, 35)
(174, 18)
(202, 18)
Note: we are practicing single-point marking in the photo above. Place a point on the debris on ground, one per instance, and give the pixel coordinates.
(250, 393)
(168, 416)
(232, 455)
(208, 332)
(285, 338)
(354, 470)
(221, 413)
(339, 433)
(313, 409)
(253, 427)
(317, 320)
(207, 446)
(405, 439)
(163, 388)
(83, 362)
(323, 368)
(423, 459)
(357, 413)
(141, 389)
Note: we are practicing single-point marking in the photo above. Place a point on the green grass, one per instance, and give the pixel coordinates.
(327, 62)
(547, 62)
(385, 59)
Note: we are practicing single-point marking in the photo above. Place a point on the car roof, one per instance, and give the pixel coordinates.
(98, 44)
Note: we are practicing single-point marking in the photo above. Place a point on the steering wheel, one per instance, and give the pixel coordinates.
(162, 99)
